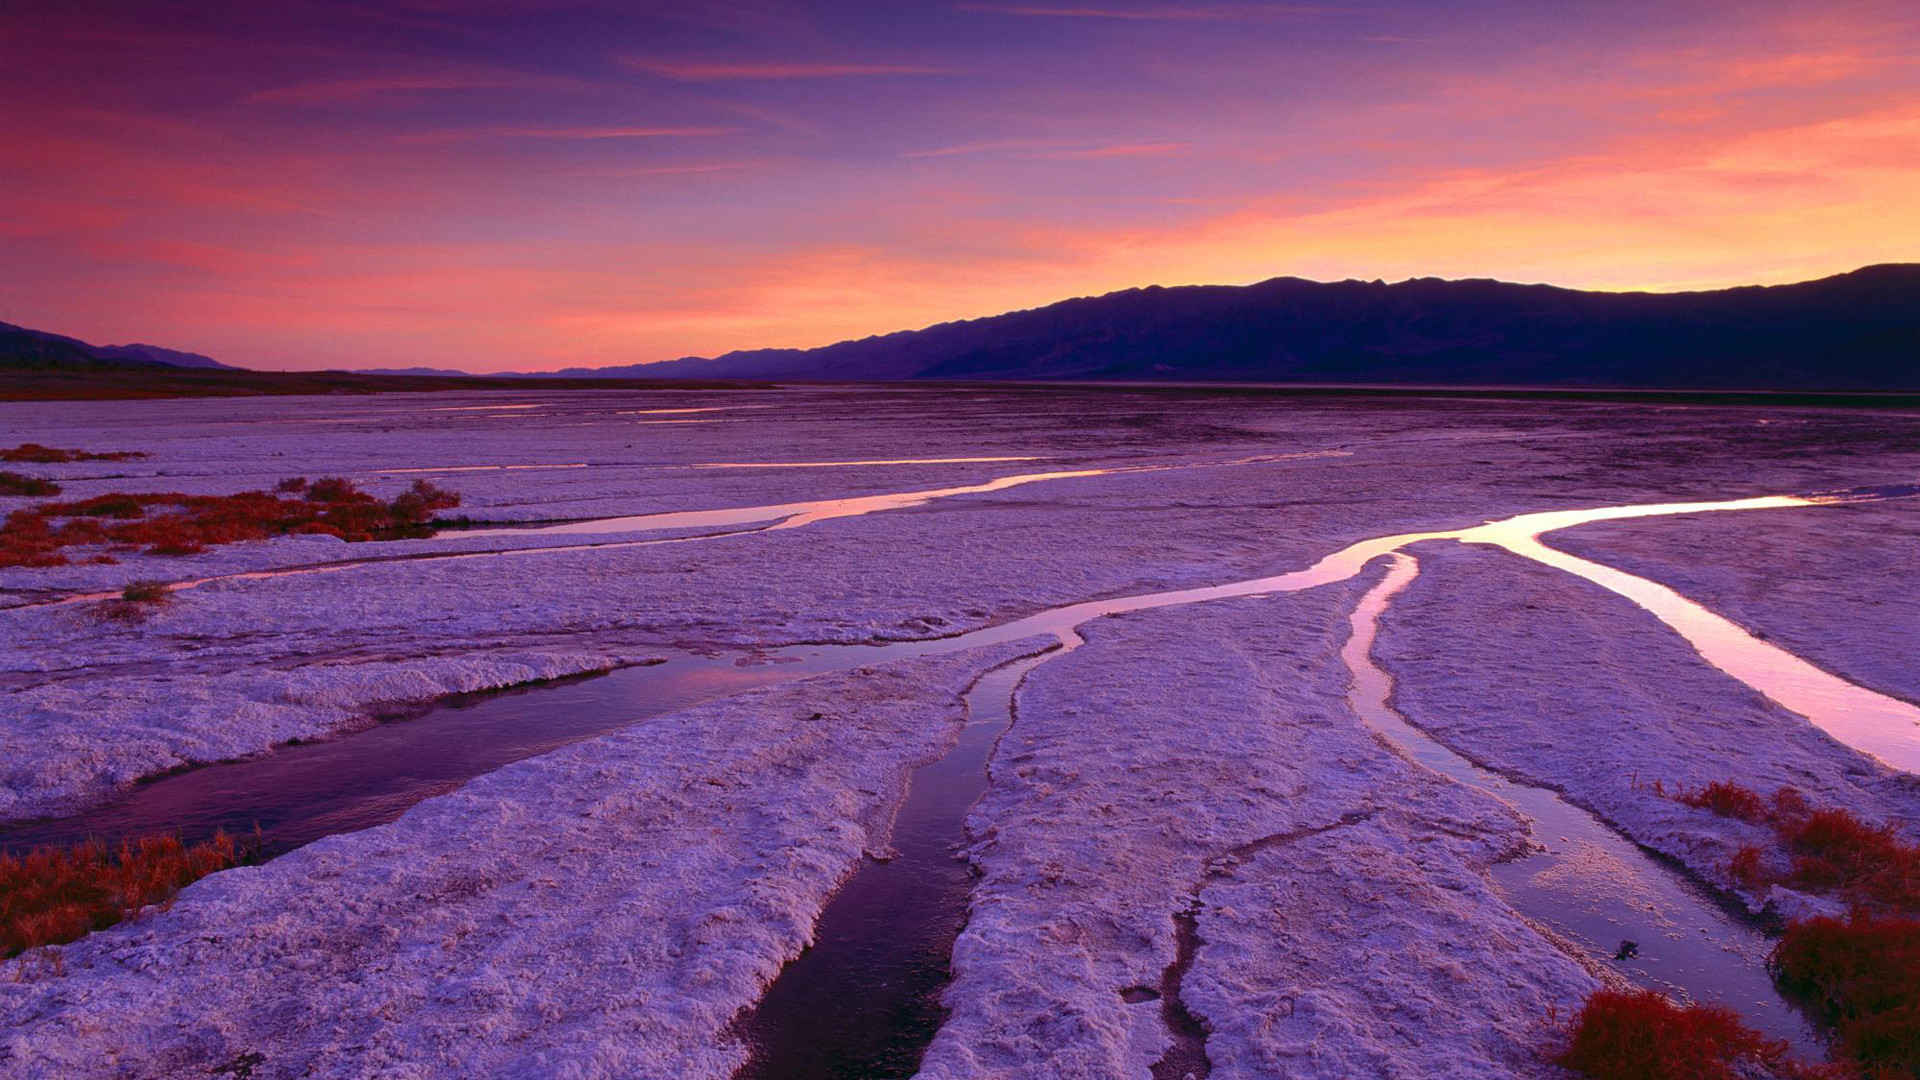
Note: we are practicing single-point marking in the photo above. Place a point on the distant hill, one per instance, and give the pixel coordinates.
(454, 372)
(38, 349)
(1855, 331)
(39, 366)
(154, 354)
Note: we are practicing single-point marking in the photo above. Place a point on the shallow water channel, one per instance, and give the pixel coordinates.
(863, 1000)
(1593, 886)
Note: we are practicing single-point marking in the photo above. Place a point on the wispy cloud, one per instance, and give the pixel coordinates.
(1120, 150)
(1053, 149)
(709, 71)
(634, 171)
(566, 133)
(344, 90)
(991, 146)
(1158, 13)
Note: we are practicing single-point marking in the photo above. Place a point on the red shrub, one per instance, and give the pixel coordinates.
(1728, 800)
(48, 455)
(145, 592)
(1836, 851)
(1862, 976)
(27, 540)
(291, 484)
(1789, 803)
(1832, 850)
(170, 523)
(39, 455)
(13, 483)
(417, 504)
(110, 506)
(1748, 867)
(54, 895)
(1646, 1036)
(329, 489)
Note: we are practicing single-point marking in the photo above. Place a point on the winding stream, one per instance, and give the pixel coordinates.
(863, 1000)
(729, 521)
(1587, 882)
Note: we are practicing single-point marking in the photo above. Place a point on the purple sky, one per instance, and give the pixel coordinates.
(508, 185)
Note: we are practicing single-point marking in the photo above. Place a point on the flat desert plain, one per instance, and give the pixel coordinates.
(958, 731)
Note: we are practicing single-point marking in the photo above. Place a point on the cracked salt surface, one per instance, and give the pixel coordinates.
(1430, 965)
(1588, 881)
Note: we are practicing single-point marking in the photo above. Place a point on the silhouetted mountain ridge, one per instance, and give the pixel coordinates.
(1859, 330)
(21, 348)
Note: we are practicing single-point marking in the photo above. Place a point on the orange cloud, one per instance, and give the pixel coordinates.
(1783, 205)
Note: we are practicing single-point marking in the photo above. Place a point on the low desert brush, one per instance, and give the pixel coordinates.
(170, 523)
(13, 483)
(1644, 1035)
(54, 895)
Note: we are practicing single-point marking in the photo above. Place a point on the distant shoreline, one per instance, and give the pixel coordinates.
(159, 382)
(155, 383)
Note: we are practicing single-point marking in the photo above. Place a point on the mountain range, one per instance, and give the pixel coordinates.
(39, 366)
(1853, 331)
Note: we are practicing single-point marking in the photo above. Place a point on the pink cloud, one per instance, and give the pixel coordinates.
(1056, 149)
(990, 146)
(567, 133)
(1121, 150)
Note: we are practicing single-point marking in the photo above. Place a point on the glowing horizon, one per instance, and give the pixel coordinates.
(493, 186)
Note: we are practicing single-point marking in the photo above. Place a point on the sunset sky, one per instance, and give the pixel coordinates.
(497, 184)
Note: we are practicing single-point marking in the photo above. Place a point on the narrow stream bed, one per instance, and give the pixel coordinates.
(301, 792)
(864, 999)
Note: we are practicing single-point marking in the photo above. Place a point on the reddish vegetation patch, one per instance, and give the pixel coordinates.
(1862, 976)
(1748, 867)
(13, 483)
(169, 523)
(55, 895)
(1834, 851)
(137, 601)
(1646, 1036)
(1831, 851)
(48, 455)
(1728, 800)
(145, 592)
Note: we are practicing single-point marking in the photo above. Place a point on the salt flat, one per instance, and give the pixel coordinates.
(1134, 762)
